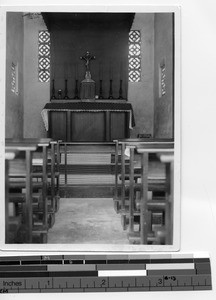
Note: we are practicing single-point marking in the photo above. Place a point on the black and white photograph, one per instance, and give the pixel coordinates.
(92, 129)
(107, 149)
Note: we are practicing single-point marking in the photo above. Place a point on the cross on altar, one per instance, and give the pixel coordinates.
(87, 57)
(87, 85)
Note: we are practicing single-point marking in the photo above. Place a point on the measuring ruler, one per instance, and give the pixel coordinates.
(104, 273)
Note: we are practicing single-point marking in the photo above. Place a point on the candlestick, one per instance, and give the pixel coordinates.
(121, 71)
(111, 71)
(100, 91)
(120, 90)
(76, 90)
(66, 90)
(53, 71)
(100, 71)
(53, 90)
(110, 90)
(76, 72)
(66, 70)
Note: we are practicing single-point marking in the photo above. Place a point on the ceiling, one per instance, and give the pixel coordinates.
(90, 20)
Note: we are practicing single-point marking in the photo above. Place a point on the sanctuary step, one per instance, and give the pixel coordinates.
(87, 158)
(93, 179)
(87, 170)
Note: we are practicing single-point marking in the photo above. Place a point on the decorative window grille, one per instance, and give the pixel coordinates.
(44, 56)
(162, 80)
(14, 78)
(134, 56)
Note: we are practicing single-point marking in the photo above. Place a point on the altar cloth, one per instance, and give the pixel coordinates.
(87, 107)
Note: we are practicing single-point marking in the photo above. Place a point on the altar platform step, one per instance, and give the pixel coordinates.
(85, 191)
(92, 185)
(87, 170)
(84, 179)
(87, 158)
(87, 147)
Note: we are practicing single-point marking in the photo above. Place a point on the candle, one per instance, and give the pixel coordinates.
(53, 71)
(121, 70)
(76, 70)
(111, 71)
(100, 71)
(66, 70)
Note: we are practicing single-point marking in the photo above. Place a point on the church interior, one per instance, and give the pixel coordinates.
(89, 128)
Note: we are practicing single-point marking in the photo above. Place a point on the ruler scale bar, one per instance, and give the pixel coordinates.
(104, 273)
(151, 283)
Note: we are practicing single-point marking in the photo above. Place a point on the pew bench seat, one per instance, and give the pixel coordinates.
(14, 225)
(33, 178)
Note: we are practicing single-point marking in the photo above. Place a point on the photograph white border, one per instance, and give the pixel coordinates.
(86, 248)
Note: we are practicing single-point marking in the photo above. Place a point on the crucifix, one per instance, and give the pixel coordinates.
(87, 57)
(87, 91)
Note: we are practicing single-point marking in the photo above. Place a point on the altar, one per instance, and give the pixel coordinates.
(85, 118)
(97, 121)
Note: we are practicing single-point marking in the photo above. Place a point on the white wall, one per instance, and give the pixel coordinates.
(14, 54)
(141, 94)
(163, 53)
(36, 94)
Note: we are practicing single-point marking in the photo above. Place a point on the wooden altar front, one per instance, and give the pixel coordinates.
(88, 121)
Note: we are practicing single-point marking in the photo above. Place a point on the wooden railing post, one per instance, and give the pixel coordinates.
(123, 176)
(144, 198)
(131, 195)
(28, 206)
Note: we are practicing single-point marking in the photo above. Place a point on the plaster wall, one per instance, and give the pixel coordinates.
(163, 111)
(14, 54)
(36, 93)
(141, 94)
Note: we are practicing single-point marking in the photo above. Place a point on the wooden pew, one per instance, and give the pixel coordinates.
(27, 149)
(162, 234)
(44, 206)
(54, 173)
(12, 223)
(126, 202)
(46, 169)
(128, 166)
(168, 160)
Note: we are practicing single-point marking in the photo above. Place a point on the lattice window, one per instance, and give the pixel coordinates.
(134, 56)
(14, 78)
(44, 56)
